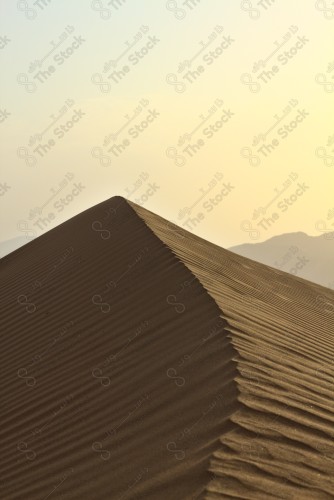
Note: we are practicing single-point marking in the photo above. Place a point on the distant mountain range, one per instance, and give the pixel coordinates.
(309, 257)
(9, 246)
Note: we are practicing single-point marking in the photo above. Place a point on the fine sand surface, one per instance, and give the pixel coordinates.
(139, 361)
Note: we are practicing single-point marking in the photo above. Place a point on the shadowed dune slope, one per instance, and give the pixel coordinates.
(110, 389)
(139, 361)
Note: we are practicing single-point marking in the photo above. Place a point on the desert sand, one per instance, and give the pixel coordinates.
(140, 361)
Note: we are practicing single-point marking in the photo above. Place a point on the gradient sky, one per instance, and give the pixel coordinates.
(257, 157)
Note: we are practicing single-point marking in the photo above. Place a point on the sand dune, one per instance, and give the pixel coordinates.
(142, 362)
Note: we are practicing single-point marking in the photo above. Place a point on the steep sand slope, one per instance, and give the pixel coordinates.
(110, 390)
(282, 327)
(141, 362)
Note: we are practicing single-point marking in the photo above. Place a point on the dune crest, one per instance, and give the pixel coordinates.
(142, 362)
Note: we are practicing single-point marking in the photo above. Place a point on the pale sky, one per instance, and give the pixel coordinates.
(217, 115)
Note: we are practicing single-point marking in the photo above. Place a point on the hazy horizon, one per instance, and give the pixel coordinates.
(217, 117)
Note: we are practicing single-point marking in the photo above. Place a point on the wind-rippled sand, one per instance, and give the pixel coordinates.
(142, 362)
